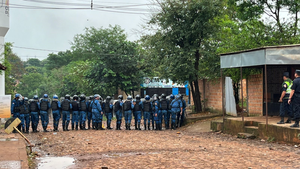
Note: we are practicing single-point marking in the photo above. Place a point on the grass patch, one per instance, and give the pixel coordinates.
(31, 159)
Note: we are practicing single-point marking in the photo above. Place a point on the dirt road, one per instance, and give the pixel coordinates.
(183, 148)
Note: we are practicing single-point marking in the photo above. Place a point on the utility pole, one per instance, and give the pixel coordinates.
(91, 4)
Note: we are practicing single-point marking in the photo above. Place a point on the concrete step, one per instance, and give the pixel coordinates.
(251, 130)
(216, 125)
(251, 123)
(246, 135)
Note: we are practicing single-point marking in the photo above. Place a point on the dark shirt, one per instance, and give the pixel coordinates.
(296, 86)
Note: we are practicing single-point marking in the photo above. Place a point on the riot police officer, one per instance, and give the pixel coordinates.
(295, 98)
(34, 112)
(284, 106)
(137, 111)
(176, 107)
(90, 113)
(83, 111)
(107, 106)
(147, 108)
(118, 111)
(15, 108)
(55, 106)
(164, 107)
(45, 106)
(171, 98)
(97, 112)
(75, 112)
(127, 107)
(66, 107)
(180, 116)
(156, 112)
(24, 116)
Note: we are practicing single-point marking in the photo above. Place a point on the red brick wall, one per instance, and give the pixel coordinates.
(212, 93)
(255, 94)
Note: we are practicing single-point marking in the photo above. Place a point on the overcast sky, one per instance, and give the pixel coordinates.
(54, 29)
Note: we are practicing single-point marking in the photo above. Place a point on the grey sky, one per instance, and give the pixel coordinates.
(54, 29)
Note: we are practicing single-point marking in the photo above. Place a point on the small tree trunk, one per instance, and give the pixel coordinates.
(195, 85)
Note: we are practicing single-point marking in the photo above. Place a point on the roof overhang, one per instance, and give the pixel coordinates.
(271, 55)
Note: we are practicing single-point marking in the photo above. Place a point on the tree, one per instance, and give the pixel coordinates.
(29, 84)
(182, 40)
(285, 30)
(113, 60)
(33, 62)
(55, 61)
(9, 81)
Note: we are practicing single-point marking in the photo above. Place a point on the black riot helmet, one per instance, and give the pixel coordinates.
(138, 97)
(163, 96)
(108, 98)
(82, 97)
(91, 97)
(120, 97)
(68, 97)
(75, 97)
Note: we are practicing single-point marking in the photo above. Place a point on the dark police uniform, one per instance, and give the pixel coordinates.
(284, 106)
(296, 100)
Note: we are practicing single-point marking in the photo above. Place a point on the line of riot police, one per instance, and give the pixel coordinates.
(91, 109)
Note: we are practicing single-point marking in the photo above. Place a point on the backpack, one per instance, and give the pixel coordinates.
(107, 108)
(83, 106)
(147, 106)
(164, 105)
(44, 105)
(34, 106)
(127, 105)
(65, 105)
(91, 106)
(137, 106)
(54, 105)
(117, 106)
(75, 106)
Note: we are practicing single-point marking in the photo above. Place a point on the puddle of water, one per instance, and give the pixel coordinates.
(10, 164)
(8, 139)
(55, 162)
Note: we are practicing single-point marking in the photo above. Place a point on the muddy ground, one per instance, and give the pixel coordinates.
(192, 146)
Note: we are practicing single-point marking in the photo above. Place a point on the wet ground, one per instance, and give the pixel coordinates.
(192, 146)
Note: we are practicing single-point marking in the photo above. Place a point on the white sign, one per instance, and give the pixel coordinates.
(5, 106)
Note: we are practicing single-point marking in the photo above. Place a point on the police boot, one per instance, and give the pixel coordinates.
(93, 126)
(32, 127)
(45, 129)
(296, 123)
(288, 120)
(145, 125)
(76, 126)
(126, 126)
(64, 126)
(83, 126)
(89, 124)
(67, 126)
(109, 128)
(139, 126)
(135, 125)
(148, 126)
(281, 121)
(23, 129)
(129, 126)
(160, 126)
(72, 126)
(27, 129)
